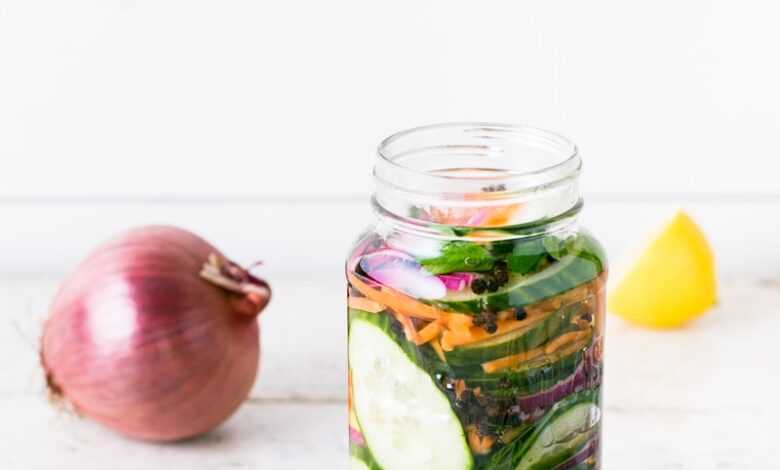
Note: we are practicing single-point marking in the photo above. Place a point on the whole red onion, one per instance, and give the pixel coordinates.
(155, 335)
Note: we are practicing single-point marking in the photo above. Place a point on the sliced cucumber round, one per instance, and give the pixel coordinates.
(562, 433)
(405, 418)
(521, 290)
(515, 342)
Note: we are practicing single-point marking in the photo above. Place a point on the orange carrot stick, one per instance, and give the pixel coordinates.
(365, 304)
(396, 300)
(511, 361)
(439, 351)
(430, 331)
(565, 338)
(409, 330)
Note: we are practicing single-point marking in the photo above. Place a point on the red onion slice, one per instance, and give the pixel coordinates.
(583, 376)
(402, 272)
(457, 281)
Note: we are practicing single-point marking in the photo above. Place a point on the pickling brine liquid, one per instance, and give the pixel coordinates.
(476, 339)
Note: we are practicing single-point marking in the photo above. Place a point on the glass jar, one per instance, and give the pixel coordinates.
(476, 306)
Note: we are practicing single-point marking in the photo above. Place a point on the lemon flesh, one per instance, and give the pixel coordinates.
(672, 282)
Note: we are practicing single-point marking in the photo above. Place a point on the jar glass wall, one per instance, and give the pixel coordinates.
(476, 306)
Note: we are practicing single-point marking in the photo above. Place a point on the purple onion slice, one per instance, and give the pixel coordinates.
(400, 271)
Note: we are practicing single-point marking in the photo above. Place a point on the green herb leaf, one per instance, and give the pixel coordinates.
(460, 256)
(560, 247)
(526, 256)
(554, 246)
(501, 248)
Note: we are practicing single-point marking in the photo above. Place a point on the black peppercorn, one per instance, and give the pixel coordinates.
(491, 283)
(491, 327)
(478, 286)
(494, 188)
(520, 313)
(502, 277)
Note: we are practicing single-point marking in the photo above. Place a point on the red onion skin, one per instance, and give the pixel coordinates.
(139, 342)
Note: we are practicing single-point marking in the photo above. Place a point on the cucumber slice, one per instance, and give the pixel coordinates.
(515, 342)
(561, 433)
(537, 375)
(406, 420)
(521, 290)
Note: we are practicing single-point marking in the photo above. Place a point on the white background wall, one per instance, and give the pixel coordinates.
(255, 123)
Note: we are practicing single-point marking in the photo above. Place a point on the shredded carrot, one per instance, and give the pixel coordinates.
(445, 339)
(477, 334)
(565, 338)
(508, 314)
(501, 215)
(438, 350)
(459, 322)
(365, 304)
(481, 445)
(481, 216)
(459, 386)
(429, 332)
(511, 361)
(397, 301)
(409, 330)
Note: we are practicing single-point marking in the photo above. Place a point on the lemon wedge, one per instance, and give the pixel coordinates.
(672, 281)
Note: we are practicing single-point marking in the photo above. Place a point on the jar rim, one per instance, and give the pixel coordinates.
(477, 174)
(566, 162)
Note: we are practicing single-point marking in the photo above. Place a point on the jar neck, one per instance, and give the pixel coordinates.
(454, 178)
(388, 222)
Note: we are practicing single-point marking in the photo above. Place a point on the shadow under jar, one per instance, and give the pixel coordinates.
(476, 306)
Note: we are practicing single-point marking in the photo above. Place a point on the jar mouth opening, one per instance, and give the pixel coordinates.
(468, 157)
(477, 174)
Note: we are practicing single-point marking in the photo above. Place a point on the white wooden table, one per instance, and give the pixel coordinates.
(699, 398)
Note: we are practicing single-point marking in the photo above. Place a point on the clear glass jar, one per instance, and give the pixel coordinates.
(476, 306)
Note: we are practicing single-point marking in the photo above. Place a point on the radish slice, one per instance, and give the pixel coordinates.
(402, 272)
(456, 281)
